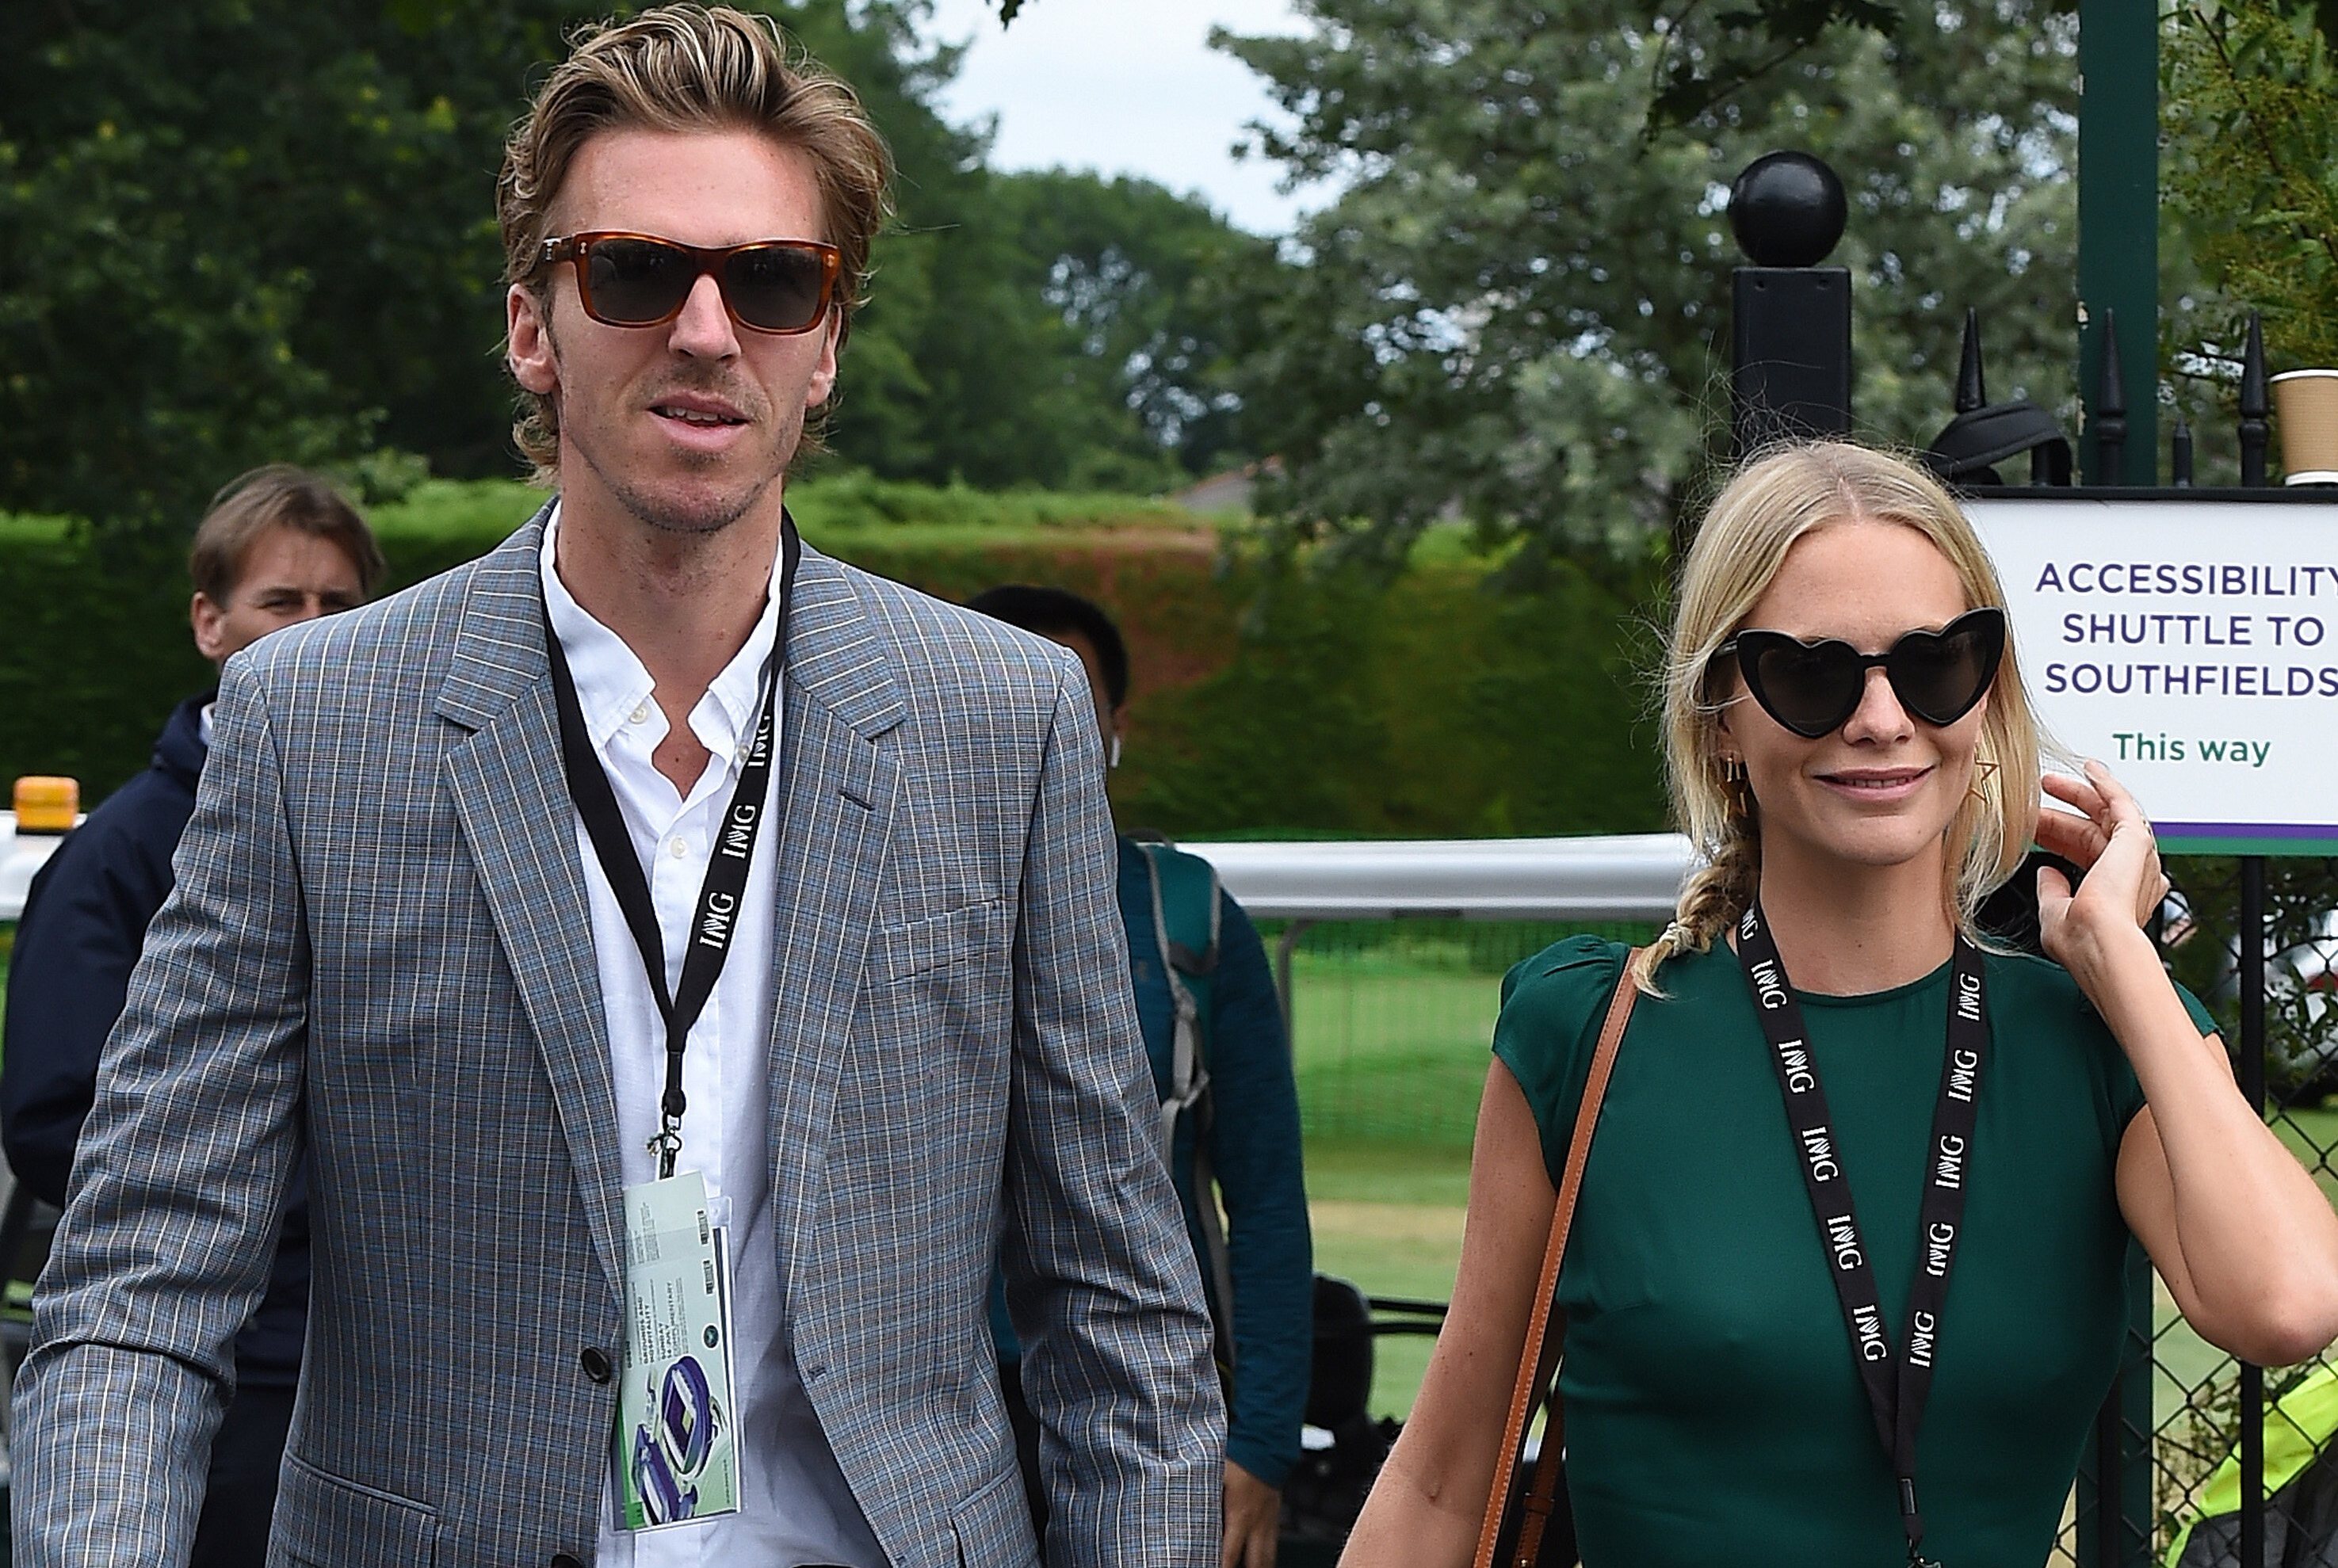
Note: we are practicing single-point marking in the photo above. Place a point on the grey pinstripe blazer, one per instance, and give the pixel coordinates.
(380, 947)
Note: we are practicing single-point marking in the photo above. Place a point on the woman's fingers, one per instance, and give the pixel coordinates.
(2118, 805)
(2071, 791)
(2112, 843)
(2073, 838)
(2131, 841)
(2053, 906)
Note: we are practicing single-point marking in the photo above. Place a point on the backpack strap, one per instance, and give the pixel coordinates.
(1185, 926)
(1185, 930)
(1185, 908)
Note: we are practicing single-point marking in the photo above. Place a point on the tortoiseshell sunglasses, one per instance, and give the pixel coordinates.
(778, 286)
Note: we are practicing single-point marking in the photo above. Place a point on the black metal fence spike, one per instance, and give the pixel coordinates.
(1971, 392)
(2111, 386)
(2110, 423)
(2256, 404)
(2179, 457)
(2256, 399)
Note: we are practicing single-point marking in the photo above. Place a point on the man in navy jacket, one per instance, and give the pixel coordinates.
(278, 546)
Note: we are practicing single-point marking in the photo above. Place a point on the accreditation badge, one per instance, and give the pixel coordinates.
(676, 1448)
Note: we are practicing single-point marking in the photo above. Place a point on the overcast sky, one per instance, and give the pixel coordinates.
(1125, 87)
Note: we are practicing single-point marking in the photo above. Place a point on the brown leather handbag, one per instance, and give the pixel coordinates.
(1517, 1517)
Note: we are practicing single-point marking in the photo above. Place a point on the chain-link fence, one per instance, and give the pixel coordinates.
(2186, 1434)
(1392, 1020)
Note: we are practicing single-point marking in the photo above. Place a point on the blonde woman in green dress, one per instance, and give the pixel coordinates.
(1845, 1280)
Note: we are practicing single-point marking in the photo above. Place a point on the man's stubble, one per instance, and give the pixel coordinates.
(669, 516)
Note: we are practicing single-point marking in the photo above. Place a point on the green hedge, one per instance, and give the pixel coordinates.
(1264, 703)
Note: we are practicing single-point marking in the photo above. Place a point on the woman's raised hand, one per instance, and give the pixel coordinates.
(2112, 845)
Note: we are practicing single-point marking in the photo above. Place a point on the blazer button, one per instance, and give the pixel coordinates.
(597, 1363)
(566, 1559)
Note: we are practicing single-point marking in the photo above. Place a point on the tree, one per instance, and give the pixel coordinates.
(1137, 273)
(235, 230)
(239, 231)
(1710, 53)
(1515, 311)
(2251, 177)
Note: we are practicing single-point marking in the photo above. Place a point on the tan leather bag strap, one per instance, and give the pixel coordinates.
(1538, 1361)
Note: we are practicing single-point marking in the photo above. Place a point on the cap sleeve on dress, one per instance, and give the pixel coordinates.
(1552, 1007)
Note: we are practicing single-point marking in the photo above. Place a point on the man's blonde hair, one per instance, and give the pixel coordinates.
(1775, 500)
(687, 68)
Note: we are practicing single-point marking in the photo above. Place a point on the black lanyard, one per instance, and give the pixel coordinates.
(718, 897)
(1897, 1386)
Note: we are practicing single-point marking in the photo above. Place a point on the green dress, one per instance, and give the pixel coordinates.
(1714, 1415)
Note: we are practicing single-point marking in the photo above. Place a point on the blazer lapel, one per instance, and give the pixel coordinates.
(512, 798)
(839, 794)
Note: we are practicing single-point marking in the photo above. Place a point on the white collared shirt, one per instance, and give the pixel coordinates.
(797, 1506)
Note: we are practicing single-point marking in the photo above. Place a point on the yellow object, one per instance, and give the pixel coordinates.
(2295, 1428)
(46, 805)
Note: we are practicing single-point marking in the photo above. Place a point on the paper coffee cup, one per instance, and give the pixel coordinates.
(2306, 402)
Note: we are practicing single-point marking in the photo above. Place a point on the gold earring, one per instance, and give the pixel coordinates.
(1982, 773)
(1739, 790)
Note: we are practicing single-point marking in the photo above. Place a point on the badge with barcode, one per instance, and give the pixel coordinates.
(677, 1454)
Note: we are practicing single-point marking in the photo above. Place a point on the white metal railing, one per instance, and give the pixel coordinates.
(1627, 876)
(1633, 876)
(19, 859)
(1619, 877)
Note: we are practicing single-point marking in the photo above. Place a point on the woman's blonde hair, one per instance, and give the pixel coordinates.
(1775, 499)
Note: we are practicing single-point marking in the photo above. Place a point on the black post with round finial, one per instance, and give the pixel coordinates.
(1790, 329)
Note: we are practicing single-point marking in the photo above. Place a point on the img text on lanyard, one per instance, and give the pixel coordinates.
(716, 915)
(1897, 1384)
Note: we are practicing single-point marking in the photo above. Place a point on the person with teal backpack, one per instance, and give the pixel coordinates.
(1221, 1061)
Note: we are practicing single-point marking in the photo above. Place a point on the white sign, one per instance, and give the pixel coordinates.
(2192, 646)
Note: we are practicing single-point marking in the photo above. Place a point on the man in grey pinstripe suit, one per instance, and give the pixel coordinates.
(392, 944)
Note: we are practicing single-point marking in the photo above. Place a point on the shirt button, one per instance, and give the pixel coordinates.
(640, 715)
(597, 1363)
(681, 849)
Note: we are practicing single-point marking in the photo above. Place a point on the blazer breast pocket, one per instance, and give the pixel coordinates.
(965, 941)
(325, 1521)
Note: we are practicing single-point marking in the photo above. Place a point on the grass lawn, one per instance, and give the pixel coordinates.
(2312, 1136)
(1388, 1218)
(1391, 1031)
(1391, 1050)
(1391, 1059)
